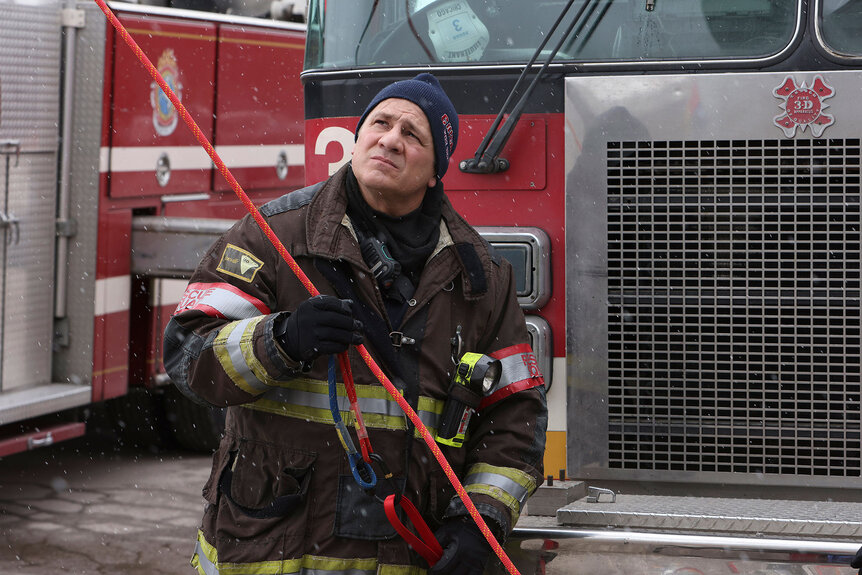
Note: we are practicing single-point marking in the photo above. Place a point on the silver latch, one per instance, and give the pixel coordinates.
(66, 228)
(399, 339)
(11, 222)
(282, 166)
(34, 442)
(10, 148)
(594, 494)
(163, 169)
(73, 18)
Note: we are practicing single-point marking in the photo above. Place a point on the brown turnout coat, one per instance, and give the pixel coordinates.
(281, 497)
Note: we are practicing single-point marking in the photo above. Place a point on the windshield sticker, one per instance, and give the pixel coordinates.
(457, 33)
(803, 106)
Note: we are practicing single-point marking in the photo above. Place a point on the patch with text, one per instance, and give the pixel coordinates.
(239, 263)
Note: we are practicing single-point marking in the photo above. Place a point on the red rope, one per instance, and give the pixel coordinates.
(306, 282)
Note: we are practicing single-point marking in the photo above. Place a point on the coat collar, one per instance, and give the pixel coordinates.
(329, 234)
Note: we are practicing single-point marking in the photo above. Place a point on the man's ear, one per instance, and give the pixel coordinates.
(432, 182)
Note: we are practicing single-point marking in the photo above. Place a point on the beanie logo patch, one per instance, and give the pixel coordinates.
(449, 134)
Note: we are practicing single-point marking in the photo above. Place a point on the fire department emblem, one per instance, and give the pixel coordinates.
(165, 116)
(803, 106)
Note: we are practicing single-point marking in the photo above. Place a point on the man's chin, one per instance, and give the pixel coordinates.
(378, 180)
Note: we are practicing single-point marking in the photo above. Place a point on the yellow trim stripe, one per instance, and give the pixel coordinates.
(308, 399)
(508, 485)
(110, 370)
(315, 415)
(510, 502)
(210, 565)
(177, 35)
(267, 43)
(214, 38)
(246, 346)
(225, 345)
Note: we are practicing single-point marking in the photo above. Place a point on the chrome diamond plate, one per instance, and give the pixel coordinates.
(30, 67)
(29, 271)
(30, 73)
(723, 515)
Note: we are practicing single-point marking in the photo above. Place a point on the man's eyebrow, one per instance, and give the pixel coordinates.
(389, 117)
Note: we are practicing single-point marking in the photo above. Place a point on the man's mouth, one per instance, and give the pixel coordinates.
(384, 160)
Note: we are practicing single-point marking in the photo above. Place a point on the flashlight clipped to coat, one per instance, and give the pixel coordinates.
(474, 376)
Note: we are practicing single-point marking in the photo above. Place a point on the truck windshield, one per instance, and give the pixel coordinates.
(840, 22)
(343, 34)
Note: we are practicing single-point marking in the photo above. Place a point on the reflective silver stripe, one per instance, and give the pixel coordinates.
(228, 302)
(429, 419)
(204, 562)
(320, 400)
(515, 368)
(232, 346)
(513, 488)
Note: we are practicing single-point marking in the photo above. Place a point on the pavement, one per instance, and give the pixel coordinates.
(92, 507)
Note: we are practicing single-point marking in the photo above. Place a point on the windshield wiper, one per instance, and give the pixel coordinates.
(487, 159)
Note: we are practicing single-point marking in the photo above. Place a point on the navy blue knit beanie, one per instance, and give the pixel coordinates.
(425, 91)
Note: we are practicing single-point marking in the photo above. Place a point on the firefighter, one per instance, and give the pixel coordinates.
(401, 271)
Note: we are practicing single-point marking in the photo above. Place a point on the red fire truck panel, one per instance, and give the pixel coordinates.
(261, 143)
(152, 152)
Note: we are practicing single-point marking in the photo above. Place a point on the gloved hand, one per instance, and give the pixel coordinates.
(857, 561)
(321, 325)
(465, 550)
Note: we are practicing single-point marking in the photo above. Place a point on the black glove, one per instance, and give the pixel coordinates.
(465, 551)
(857, 561)
(322, 325)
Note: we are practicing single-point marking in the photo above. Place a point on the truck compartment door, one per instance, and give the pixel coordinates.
(259, 113)
(151, 153)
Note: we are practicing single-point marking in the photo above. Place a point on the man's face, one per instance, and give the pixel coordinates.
(393, 159)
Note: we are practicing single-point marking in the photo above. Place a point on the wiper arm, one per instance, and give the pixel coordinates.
(487, 160)
(577, 35)
(364, 31)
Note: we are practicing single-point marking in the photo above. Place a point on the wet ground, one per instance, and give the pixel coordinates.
(90, 506)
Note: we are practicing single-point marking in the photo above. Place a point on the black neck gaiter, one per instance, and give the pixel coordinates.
(410, 238)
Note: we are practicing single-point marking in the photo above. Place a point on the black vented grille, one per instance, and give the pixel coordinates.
(734, 306)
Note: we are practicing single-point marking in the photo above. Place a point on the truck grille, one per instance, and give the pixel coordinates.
(734, 306)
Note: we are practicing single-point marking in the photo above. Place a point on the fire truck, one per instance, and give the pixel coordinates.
(677, 184)
(108, 202)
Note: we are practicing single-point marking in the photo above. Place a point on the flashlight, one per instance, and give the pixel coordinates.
(475, 375)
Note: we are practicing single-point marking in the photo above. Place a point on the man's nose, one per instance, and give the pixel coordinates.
(391, 140)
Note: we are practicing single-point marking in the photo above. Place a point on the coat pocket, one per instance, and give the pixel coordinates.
(262, 489)
(358, 515)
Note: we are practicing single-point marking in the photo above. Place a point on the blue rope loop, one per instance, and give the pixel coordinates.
(359, 467)
(362, 471)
